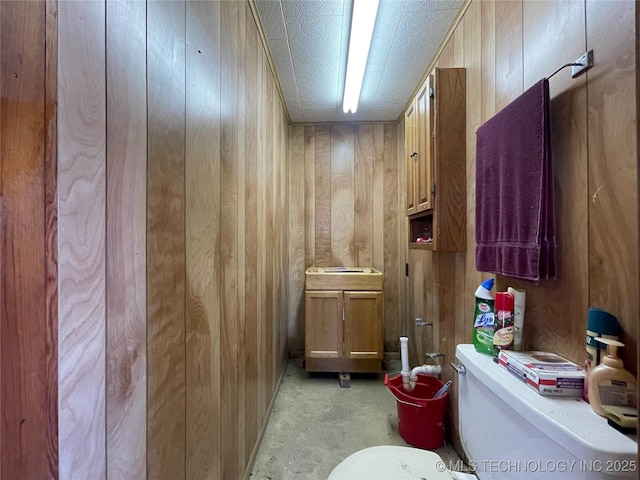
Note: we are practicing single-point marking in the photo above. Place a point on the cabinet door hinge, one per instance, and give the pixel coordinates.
(406, 269)
(432, 92)
(433, 189)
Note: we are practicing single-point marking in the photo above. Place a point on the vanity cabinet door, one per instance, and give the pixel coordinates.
(323, 324)
(363, 325)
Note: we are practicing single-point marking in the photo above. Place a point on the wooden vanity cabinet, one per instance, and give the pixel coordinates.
(343, 324)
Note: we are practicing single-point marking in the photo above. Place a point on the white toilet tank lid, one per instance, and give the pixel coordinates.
(570, 421)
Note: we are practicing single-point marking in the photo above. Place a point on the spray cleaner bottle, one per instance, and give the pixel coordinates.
(483, 318)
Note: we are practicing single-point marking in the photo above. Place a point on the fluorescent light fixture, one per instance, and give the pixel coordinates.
(362, 21)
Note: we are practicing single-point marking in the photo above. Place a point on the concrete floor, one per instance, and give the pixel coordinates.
(315, 424)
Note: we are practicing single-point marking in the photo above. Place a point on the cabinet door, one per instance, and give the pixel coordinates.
(323, 324)
(410, 161)
(424, 136)
(363, 325)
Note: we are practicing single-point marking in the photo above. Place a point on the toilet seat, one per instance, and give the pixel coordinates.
(388, 462)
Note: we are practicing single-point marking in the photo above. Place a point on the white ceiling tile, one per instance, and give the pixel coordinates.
(318, 89)
(388, 113)
(389, 13)
(425, 27)
(431, 5)
(295, 114)
(306, 58)
(312, 8)
(279, 49)
(290, 90)
(319, 114)
(272, 19)
(370, 85)
(394, 84)
(378, 53)
(319, 29)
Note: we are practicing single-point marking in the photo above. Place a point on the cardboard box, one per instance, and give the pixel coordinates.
(547, 373)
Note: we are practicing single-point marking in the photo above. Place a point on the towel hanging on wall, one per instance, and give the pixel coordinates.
(515, 218)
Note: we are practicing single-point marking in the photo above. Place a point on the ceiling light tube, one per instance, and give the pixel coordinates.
(362, 21)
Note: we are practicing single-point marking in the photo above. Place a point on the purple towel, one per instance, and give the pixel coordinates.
(515, 220)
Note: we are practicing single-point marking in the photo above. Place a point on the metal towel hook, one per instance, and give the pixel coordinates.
(585, 62)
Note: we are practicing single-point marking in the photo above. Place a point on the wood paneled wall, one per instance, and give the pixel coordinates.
(506, 46)
(343, 211)
(173, 239)
(154, 208)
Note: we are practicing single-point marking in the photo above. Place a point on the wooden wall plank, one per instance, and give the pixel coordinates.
(477, 70)
(393, 264)
(126, 332)
(487, 59)
(323, 196)
(379, 200)
(363, 195)
(229, 239)
(459, 51)
(342, 195)
(166, 429)
(2, 292)
(270, 322)
(82, 204)
(430, 291)
(509, 61)
(447, 56)
(418, 305)
(297, 243)
(263, 393)
(202, 247)
(251, 312)
(310, 195)
(445, 271)
(241, 43)
(27, 425)
(51, 254)
(612, 135)
(280, 336)
(404, 292)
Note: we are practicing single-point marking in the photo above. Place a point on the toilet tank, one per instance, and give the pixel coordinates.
(509, 431)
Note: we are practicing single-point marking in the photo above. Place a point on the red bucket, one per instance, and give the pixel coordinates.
(420, 416)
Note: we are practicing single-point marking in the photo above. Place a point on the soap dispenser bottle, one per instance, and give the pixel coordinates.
(609, 382)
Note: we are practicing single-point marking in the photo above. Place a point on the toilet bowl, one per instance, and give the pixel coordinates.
(508, 431)
(393, 462)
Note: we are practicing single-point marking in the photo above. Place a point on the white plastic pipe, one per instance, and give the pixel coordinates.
(431, 370)
(404, 357)
(404, 353)
(519, 301)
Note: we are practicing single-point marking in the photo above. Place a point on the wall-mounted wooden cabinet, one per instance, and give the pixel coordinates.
(410, 150)
(435, 162)
(343, 321)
